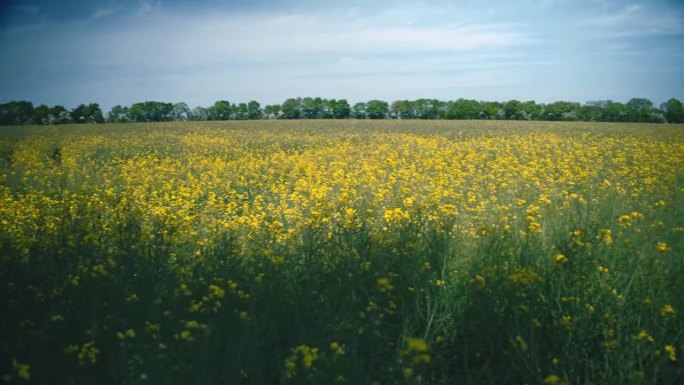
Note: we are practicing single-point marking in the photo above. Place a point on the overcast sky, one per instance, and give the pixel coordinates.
(125, 51)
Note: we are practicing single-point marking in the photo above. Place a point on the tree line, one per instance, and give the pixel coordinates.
(635, 110)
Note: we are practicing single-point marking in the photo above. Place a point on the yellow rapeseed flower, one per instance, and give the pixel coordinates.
(417, 345)
(671, 353)
(668, 310)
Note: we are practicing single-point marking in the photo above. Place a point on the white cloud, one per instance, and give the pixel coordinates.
(101, 13)
(428, 48)
(637, 20)
(177, 41)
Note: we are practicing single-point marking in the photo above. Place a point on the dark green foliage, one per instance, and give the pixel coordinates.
(638, 110)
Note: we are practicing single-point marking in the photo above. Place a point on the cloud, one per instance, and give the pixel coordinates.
(636, 20)
(226, 38)
(121, 52)
(101, 13)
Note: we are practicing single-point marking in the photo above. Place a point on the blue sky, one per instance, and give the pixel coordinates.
(125, 51)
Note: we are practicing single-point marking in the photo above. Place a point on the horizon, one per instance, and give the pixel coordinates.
(121, 52)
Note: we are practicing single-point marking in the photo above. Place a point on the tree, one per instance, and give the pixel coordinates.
(341, 109)
(512, 110)
(429, 108)
(312, 108)
(59, 115)
(614, 112)
(93, 113)
(639, 110)
(561, 111)
(151, 112)
(221, 110)
(41, 114)
(593, 111)
(90, 113)
(328, 106)
(199, 114)
(530, 110)
(491, 110)
(180, 111)
(377, 109)
(463, 109)
(254, 110)
(674, 111)
(359, 110)
(118, 114)
(291, 109)
(16, 112)
(272, 111)
(241, 112)
(402, 109)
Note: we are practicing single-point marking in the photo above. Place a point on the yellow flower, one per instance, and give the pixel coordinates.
(566, 320)
(408, 372)
(662, 247)
(417, 345)
(560, 258)
(336, 348)
(668, 310)
(186, 335)
(644, 336)
(553, 379)
(384, 284)
(216, 292)
(421, 358)
(671, 353)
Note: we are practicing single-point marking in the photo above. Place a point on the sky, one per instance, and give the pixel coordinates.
(111, 52)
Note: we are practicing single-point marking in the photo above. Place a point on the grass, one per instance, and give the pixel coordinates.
(356, 252)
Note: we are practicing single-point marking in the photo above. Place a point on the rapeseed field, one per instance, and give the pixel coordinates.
(342, 252)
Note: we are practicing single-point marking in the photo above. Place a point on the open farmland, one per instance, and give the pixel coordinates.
(350, 252)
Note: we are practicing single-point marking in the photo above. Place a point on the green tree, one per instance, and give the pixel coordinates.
(291, 109)
(254, 111)
(59, 115)
(16, 112)
(614, 112)
(221, 110)
(512, 110)
(341, 109)
(359, 110)
(561, 110)
(402, 109)
(463, 109)
(639, 110)
(90, 113)
(118, 114)
(180, 111)
(674, 111)
(491, 110)
(429, 108)
(41, 114)
(151, 111)
(312, 108)
(593, 111)
(200, 114)
(530, 110)
(272, 111)
(377, 109)
(241, 112)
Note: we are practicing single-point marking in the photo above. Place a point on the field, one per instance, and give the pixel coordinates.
(342, 252)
